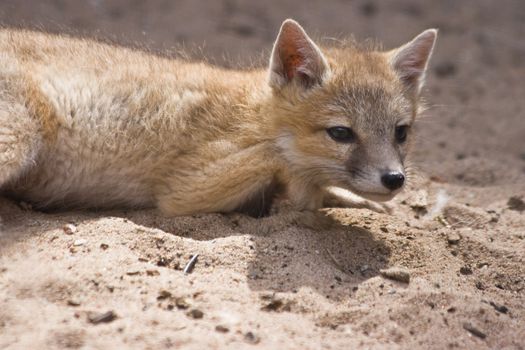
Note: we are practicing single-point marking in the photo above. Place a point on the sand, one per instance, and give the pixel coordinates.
(445, 270)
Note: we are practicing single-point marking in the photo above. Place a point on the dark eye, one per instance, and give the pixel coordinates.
(401, 133)
(341, 134)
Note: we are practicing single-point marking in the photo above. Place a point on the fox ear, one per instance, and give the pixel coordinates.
(296, 58)
(410, 60)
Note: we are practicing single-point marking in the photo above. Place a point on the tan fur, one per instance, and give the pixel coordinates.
(85, 124)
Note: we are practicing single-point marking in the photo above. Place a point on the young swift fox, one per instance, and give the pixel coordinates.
(84, 124)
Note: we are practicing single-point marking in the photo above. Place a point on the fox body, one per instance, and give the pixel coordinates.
(85, 124)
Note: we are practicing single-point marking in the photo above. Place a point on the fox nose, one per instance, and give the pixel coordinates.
(393, 180)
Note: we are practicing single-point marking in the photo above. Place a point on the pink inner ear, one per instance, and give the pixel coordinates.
(291, 65)
(290, 52)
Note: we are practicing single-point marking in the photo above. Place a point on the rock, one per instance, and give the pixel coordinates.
(195, 313)
(222, 329)
(79, 242)
(182, 304)
(453, 238)
(465, 270)
(251, 338)
(399, 274)
(163, 294)
(498, 307)
(364, 268)
(105, 317)
(69, 229)
(73, 302)
(474, 331)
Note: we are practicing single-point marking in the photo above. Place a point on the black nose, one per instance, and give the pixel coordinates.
(393, 180)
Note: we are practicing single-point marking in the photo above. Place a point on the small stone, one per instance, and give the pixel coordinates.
(69, 229)
(222, 329)
(104, 246)
(399, 274)
(479, 285)
(500, 308)
(196, 314)
(152, 272)
(465, 270)
(182, 303)
(163, 294)
(79, 242)
(474, 331)
(133, 273)
(73, 302)
(162, 261)
(453, 238)
(105, 317)
(251, 338)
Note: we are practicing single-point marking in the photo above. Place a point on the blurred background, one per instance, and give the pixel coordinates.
(474, 130)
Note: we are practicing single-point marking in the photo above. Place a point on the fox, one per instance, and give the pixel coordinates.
(86, 124)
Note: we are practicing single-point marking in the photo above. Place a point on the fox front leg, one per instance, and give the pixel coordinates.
(243, 181)
(336, 197)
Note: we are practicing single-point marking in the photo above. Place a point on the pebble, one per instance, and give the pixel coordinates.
(79, 242)
(222, 329)
(195, 313)
(465, 270)
(251, 338)
(163, 294)
(182, 304)
(399, 274)
(474, 331)
(73, 302)
(105, 317)
(498, 307)
(69, 229)
(453, 238)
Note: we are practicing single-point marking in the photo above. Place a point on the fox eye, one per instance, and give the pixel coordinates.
(341, 134)
(401, 133)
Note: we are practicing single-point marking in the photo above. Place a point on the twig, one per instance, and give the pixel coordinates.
(191, 264)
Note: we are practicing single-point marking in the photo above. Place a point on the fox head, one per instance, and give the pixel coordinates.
(344, 115)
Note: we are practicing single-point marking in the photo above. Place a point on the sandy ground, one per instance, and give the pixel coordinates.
(115, 279)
